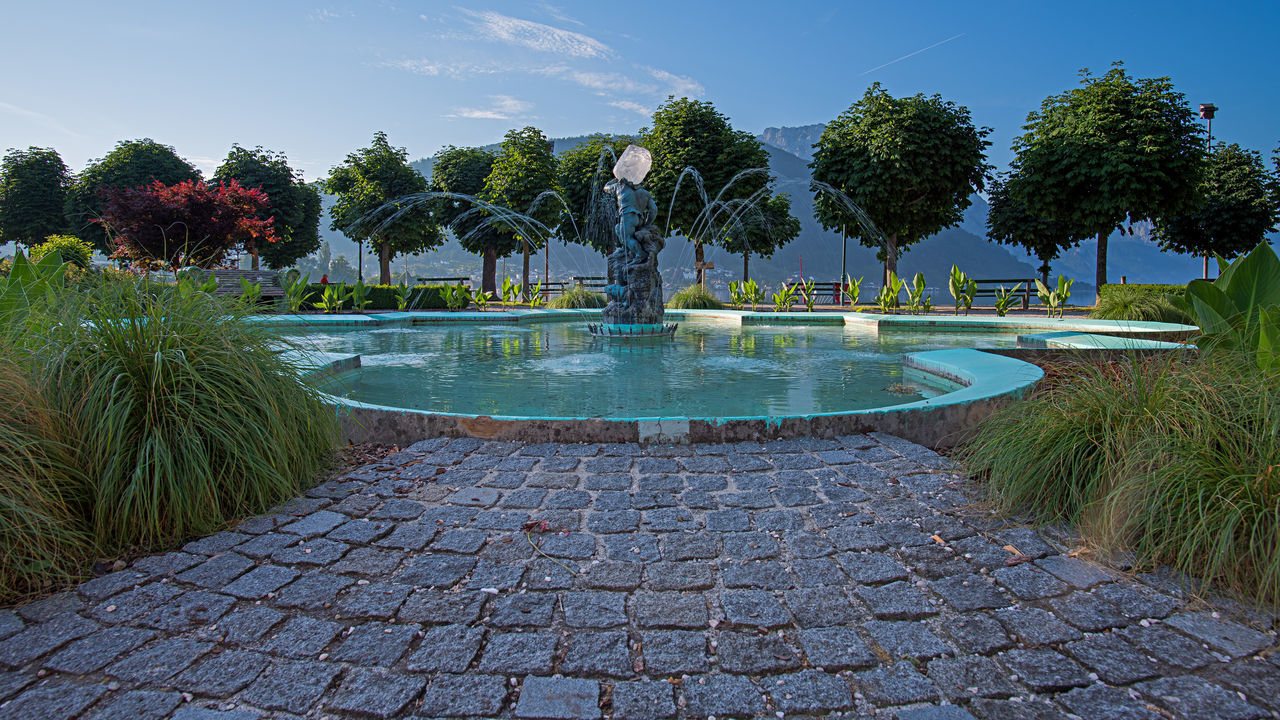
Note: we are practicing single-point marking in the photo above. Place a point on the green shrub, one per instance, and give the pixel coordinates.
(1143, 289)
(1119, 302)
(1173, 459)
(383, 297)
(72, 249)
(180, 416)
(578, 296)
(694, 297)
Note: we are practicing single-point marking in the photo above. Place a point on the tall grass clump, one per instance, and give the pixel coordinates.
(694, 297)
(578, 297)
(1174, 459)
(1122, 303)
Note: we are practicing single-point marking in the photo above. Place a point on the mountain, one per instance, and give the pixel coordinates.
(798, 141)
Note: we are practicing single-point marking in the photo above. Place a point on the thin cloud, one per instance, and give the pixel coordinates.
(634, 107)
(610, 82)
(322, 15)
(912, 54)
(678, 85)
(40, 118)
(464, 70)
(557, 13)
(504, 107)
(536, 36)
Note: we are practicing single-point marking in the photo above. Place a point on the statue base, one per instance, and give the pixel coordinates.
(633, 330)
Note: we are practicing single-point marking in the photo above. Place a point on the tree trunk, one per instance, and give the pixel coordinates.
(1206, 266)
(1102, 262)
(1044, 272)
(526, 288)
(254, 254)
(891, 257)
(384, 264)
(487, 281)
(746, 256)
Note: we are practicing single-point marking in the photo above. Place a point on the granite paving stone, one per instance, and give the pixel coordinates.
(812, 577)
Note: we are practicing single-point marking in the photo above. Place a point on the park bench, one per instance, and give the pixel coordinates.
(443, 281)
(989, 288)
(229, 282)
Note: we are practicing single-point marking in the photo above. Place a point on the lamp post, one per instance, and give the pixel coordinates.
(1207, 111)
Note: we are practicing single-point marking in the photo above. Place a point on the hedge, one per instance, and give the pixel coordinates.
(1143, 289)
(383, 297)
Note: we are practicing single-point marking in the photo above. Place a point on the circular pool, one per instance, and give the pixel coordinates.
(709, 369)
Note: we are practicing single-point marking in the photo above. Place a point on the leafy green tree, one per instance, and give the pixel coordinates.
(693, 134)
(131, 164)
(1115, 149)
(1236, 211)
(524, 171)
(583, 171)
(462, 171)
(369, 186)
(1009, 223)
(33, 193)
(911, 163)
(760, 228)
(294, 205)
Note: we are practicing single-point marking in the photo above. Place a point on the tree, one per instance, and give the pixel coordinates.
(370, 186)
(131, 164)
(294, 206)
(583, 172)
(462, 171)
(911, 164)
(33, 193)
(1115, 149)
(190, 223)
(760, 228)
(523, 175)
(1009, 223)
(1236, 211)
(693, 134)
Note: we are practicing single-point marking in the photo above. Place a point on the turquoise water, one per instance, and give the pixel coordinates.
(557, 369)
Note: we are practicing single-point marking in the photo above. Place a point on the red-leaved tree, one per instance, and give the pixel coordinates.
(190, 223)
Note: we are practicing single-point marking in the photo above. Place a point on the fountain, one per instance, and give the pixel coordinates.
(635, 306)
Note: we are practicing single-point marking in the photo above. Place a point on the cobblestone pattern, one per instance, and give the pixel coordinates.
(835, 578)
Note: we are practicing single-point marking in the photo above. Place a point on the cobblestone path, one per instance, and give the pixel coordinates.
(792, 578)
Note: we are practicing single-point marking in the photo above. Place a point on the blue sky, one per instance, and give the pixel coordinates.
(317, 79)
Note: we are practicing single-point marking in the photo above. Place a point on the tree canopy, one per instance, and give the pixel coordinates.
(523, 174)
(462, 171)
(131, 164)
(693, 134)
(293, 206)
(910, 163)
(33, 195)
(368, 186)
(1236, 209)
(189, 223)
(1009, 223)
(1116, 149)
(760, 228)
(583, 171)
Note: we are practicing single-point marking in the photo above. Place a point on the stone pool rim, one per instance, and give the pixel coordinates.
(988, 381)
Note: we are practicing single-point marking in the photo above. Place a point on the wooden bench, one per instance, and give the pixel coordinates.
(446, 280)
(989, 288)
(229, 282)
(594, 282)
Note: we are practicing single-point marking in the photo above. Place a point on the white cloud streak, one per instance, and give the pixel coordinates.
(634, 107)
(39, 118)
(504, 107)
(536, 36)
(911, 54)
(678, 85)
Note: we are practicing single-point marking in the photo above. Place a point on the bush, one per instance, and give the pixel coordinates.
(1157, 303)
(73, 250)
(163, 414)
(1173, 459)
(578, 297)
(383, 297)
(694, 297)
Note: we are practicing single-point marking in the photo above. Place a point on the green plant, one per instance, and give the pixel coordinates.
(250, 292)
(510, 291)
(887, 299)
(1138, 455)
(916, 301)
(333, 298)
(1117, 302)
(784, 298)
(1006, 298)
(578, 296)
(963, 289)
(753, 293)
(1055, 300)
(358, 293)
(296, 292)
(1238, 311)
(535, 295)
(27, 282)
(694, 297)
(71, 248)
(402, 297)
(457, 297)
(853, 289)
(481, 299)
(807, 293)
(737, 298)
